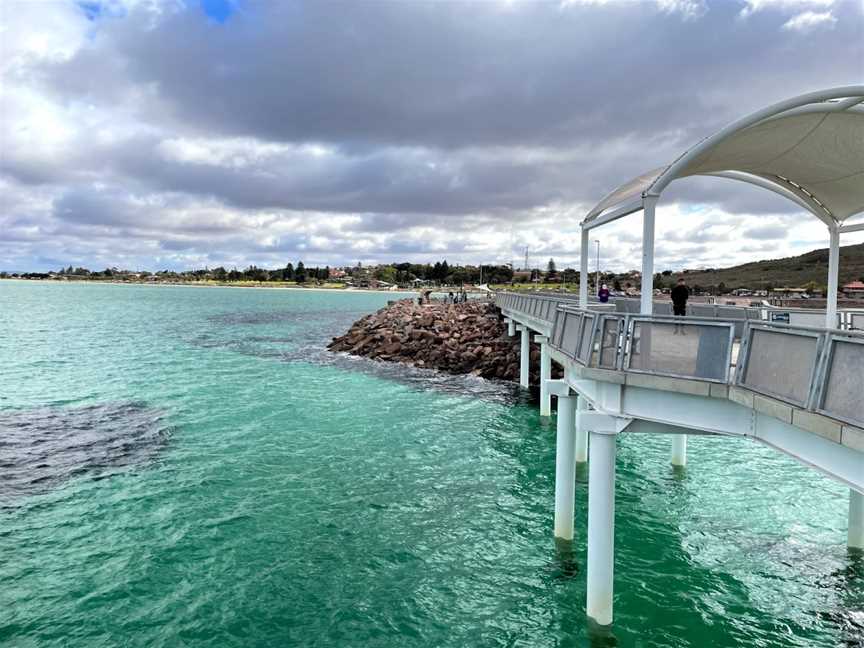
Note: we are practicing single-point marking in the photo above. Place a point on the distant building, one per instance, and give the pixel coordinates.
(854, 289)
(789, 292)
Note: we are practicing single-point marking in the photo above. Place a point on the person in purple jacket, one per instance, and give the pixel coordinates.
(603, 294)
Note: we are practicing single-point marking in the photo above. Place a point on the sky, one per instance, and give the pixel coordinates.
(172, 134)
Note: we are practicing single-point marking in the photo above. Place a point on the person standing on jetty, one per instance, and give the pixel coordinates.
(680, 295)
(603, 294)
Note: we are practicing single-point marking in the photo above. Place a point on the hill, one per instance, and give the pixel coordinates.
(789, 272)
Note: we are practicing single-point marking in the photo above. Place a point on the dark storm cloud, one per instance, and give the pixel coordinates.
(457, 74)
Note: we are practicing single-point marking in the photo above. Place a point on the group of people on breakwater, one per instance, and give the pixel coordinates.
(467, 337)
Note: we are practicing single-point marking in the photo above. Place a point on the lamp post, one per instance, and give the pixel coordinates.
(597, 281)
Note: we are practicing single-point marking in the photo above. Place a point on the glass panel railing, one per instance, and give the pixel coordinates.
(682, 348)
(558, 328)
(854, 320)
(843, 384)
(811, 317)
(586, 339)
(780, 362)
(570, 336)
(611, 332)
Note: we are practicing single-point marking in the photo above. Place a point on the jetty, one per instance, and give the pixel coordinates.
(791, 379)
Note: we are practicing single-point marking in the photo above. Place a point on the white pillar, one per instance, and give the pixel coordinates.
(647, 287)
(583, 271)
(545, 374)
(511, 327)
(525, 357)
(833, 277)
(679, 449)
(601, 527)
(856, 520)
(565, 467)
(581, 434)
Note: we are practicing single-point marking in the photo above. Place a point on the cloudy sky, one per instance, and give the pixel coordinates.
(175, 134)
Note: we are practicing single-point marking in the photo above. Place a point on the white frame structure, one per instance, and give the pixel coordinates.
(835, 100)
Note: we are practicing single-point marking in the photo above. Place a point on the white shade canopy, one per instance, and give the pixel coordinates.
(809, 149)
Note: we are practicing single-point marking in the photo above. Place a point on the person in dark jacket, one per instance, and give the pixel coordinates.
(680, 295)
(603, 294)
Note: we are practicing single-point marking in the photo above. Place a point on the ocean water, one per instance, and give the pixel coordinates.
(191, 467)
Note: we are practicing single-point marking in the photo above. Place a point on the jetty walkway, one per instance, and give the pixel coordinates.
(791, 379)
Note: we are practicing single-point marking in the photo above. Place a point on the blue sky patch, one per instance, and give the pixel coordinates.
(218, 10)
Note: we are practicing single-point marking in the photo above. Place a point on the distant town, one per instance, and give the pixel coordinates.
(413, 276)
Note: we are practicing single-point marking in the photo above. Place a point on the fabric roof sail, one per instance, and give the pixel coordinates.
(811, 147)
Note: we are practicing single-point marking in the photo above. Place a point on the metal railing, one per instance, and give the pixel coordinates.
(648, 344)
(819, 370)
(528, 303)
(816, 369)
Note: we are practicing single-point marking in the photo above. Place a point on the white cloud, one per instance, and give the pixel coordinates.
(787, 6)
(809, 20)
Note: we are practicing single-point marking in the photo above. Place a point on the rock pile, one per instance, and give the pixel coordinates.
(470, 337)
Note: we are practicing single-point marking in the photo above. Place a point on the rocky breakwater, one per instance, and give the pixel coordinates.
(466, 338)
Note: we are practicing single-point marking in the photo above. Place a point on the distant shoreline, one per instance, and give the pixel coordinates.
(202, 284)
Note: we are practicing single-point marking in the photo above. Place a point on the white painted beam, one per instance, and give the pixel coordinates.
(601, 527)
(856, 520)
(833, 277)
(583, 271)
(581, 433)
(565, 468)
(545, 375)
(647, 287)
(524, 356)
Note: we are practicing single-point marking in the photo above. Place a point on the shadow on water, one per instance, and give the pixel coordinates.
(42, 448)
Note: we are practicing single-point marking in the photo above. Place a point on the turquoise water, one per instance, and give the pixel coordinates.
(190, 467)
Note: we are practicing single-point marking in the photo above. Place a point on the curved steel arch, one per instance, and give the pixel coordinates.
(846, 98)
(853, 94)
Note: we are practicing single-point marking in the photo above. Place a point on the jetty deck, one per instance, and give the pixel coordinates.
(791, 379)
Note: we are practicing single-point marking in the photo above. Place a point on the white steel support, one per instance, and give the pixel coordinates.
(524, 357)
(833, 277)
(647, 288)
(545, 375)
(565, 466)
(856, 520)
(679, 449)
(581, 433)
(583, 271)
(511, 327)
(601, 527)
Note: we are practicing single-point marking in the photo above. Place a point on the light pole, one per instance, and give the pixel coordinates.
(597, 281)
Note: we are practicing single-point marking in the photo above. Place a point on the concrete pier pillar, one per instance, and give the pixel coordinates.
(581, 434)
(679, 449)
(856, 520)
(545, 375)
(565, 467)
(511, 327)
(524, 357)
(601, 527)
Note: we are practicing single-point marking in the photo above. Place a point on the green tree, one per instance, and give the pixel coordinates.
(300, 273)
(551, 271)
(386, 273)
(288, 272)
